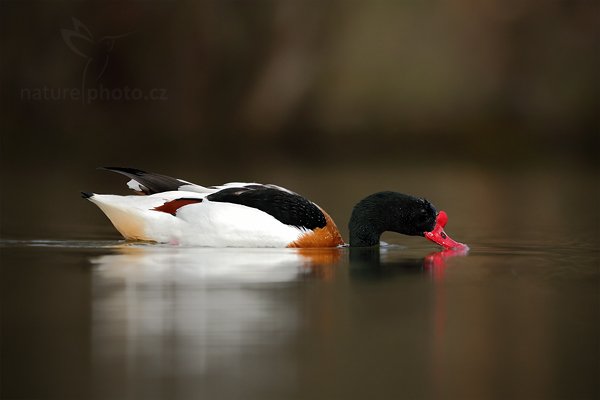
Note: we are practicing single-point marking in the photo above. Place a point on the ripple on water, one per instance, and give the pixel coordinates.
(67, 244)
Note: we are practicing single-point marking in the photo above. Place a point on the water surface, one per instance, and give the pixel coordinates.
(110, 320)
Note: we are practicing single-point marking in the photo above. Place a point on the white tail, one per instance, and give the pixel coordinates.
(128, 220)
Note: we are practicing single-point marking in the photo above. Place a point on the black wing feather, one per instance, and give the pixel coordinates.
(288, 208)
(151, 183)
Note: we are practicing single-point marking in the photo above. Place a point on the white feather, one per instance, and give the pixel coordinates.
(135, 185)
(218, 224)
(195, 188)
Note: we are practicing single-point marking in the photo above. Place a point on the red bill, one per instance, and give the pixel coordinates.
(438, 236)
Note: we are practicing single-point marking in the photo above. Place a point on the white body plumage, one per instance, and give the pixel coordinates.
(206, 223)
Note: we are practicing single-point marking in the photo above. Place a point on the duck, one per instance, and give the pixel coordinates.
(236, 214)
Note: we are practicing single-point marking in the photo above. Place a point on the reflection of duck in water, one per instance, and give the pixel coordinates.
(230, 265)
(371, 262)
(203, 313)
(221, 266)
(200, 312)
(255, 215)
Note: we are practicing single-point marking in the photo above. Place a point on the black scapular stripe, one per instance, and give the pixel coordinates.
(288, 208)
(151, 183)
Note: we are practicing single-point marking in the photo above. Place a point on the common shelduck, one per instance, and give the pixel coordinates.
(257, 215)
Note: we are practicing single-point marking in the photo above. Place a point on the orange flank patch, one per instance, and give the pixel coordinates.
(171, 207)
(327, 236)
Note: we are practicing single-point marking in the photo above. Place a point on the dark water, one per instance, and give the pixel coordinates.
(107, 320)
(515, 318)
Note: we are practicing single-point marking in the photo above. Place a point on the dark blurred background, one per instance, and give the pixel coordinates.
(488, 108)
(331, 98)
